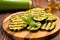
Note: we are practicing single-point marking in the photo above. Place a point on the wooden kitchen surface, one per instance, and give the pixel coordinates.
(37, 3)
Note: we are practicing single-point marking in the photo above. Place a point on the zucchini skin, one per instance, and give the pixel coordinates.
(14, 4)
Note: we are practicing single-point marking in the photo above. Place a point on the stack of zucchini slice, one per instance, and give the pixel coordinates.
(32, 19)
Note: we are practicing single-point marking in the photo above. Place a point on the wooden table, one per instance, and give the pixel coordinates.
(37, 3)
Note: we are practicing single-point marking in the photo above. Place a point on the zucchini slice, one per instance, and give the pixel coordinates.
(48, 26)
(51, 17)
(34, 28)
(16, 23)
(24, 14)
(17, 26)
(44, 25)
(53, 25)
(40, 16)
(38, 10)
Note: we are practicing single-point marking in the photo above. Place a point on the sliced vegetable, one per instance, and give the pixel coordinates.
(34, 28)
(44, 25)
(38, 10)
(48, 26)
(40, 17)
(53, 25)
(16, 23)
(24, 14)
(51, 17)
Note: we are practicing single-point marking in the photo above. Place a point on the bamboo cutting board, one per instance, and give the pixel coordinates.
(27, 35)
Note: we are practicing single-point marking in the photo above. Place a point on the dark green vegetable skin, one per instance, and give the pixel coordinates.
(14, 4)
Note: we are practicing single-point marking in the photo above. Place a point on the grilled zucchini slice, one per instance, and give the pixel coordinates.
(16, 23)
(17, 26)
(53, 25)
(38, 10)
(24, 14)
(51, 17)
(48, 26)
(44, 26)
(34, 28)
(40, 16)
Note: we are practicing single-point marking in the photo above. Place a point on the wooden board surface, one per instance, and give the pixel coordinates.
(25, 34)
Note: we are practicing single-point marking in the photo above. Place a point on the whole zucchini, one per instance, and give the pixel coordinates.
(14, 4)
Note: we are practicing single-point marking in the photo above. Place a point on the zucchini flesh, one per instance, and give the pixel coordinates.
(34, 28)
(44, 25)
(40, 17)
(48, 26)
(38, 10)
(53, 25)
(14, 4)
(51, 17)
(24, 14)
(16, 23)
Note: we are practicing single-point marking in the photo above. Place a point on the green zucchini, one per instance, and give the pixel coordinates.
(48, 26)
(13, 28)
(16, 23)
(51, 17)
(44, 26)
(53, 25)
(14, 4)
(40, 17)
(34, 28)
(24, 14)
(15, 17)
(38, 10)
